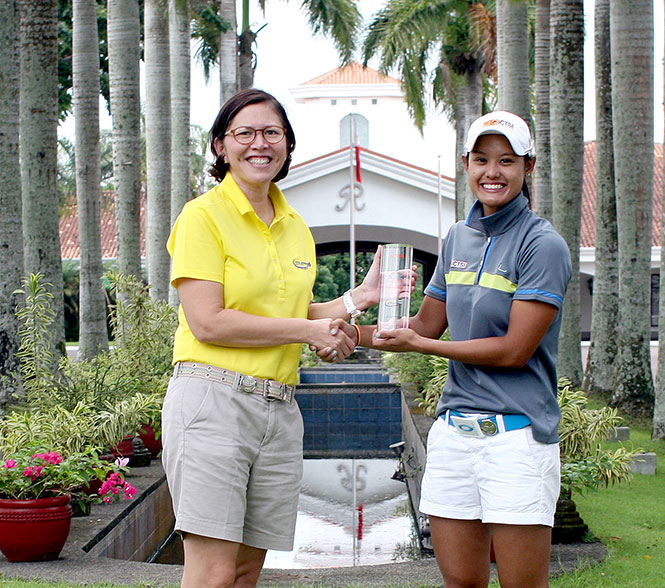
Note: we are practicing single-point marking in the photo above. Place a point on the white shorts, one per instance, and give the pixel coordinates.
(509, 478)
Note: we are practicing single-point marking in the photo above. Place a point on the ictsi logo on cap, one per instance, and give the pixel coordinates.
(498, 121)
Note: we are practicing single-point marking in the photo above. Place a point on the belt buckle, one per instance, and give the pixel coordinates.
(248, 384)
(271, 395)
(467, 426)
(489, 427)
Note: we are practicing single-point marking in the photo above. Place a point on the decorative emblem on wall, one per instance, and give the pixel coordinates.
(345, 193)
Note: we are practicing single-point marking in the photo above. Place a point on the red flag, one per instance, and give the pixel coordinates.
(358, 177)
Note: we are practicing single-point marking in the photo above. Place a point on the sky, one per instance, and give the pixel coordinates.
(288, 55)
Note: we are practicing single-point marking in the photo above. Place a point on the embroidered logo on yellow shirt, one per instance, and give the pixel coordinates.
(300, 264)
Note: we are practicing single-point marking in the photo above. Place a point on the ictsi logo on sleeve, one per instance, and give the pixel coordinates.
(458, 264)
(300, 264)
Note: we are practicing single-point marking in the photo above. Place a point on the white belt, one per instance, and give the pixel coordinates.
(269, 389)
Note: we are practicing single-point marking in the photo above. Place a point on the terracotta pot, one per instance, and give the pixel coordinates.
(125, 448)
(34, 530)
(147, 434)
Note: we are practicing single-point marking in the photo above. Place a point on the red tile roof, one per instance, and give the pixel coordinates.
(588, 229)
(354, 73)
(69, 228)
(69, 236)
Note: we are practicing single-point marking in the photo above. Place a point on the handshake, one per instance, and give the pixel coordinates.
(342, 339)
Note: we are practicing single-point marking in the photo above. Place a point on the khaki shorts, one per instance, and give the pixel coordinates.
(233, 463)
(509, 478)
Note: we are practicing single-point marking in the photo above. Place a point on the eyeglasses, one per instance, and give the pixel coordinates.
(245, 135)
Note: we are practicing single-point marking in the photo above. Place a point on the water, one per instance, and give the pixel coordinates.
(350, 513)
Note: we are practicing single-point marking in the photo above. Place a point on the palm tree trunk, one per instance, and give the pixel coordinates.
(599, 373)
(85, 68)
(461, 184)
(542, 180)
(566, 120)
(228, 53)
(179, 38)
(38, 148)
(631, 26)
(11, 239)
(123, 39)
(513, 65)
(473, 108)
(158, 147)
(245, 51)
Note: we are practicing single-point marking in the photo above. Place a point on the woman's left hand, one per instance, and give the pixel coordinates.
(397, 340)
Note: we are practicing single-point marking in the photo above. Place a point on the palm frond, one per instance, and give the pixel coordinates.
(338, 19)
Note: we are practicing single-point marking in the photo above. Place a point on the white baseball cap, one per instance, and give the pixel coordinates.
(500, 122)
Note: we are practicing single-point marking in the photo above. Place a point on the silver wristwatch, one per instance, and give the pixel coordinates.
(351, 308)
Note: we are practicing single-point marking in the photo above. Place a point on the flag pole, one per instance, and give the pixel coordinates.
(352, 198)
(438, 202)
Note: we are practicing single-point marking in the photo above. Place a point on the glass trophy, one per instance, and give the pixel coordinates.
(395, 300)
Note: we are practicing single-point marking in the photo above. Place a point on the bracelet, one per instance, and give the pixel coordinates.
(357, 328)
(350, 306)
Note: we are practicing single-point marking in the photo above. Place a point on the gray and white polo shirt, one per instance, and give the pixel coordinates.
(485, 264)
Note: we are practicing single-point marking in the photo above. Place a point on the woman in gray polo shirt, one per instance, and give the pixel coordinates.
(493, 471)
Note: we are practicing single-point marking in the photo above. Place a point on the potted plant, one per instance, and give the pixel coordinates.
(35, 494)
(585, 463)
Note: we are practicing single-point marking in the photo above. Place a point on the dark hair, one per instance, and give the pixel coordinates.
(525, 185)
(227, 113)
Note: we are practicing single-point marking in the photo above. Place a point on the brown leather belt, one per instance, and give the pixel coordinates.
(269, 389)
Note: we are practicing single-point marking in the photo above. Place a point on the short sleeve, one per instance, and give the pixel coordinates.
(437, 285)
(544, 269)
(196, 246)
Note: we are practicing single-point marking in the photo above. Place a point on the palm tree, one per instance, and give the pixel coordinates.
(228, 52)
(123, 39)
(85, 53)
(542, 181)
(566, 120)
(513, 44)
(179, 36)
(405, 34)
(38, 150)
(11, 240)
(631, 32)
(158, 146)
(599, 373)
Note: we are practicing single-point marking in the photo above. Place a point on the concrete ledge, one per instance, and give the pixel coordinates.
(620, 434)
(644, 463)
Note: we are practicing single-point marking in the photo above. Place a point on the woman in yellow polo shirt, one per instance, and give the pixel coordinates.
(244, 265)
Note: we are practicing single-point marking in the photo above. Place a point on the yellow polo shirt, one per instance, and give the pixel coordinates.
(265, 271)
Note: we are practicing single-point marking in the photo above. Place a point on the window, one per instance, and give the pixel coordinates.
(375, 101)
(333, 102)
(361, 129)
(354, 102)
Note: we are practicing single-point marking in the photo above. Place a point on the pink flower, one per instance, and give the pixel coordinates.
(9, 463)
(29, 472)
(105, 487)
(53, 457)
(38, 471)
(107, 499)
(121, 461)
(130, 491)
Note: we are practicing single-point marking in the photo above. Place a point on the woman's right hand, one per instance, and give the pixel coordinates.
(333, 340)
